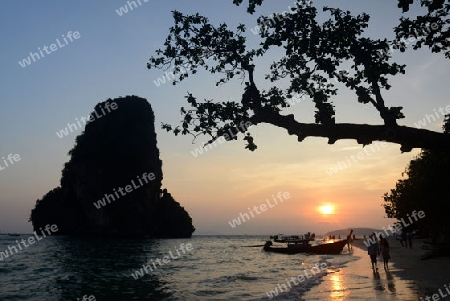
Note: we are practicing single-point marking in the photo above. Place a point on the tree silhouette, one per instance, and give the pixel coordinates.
(425, 188)
(313, 54)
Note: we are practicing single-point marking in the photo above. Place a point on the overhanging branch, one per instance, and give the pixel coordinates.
(364, 134)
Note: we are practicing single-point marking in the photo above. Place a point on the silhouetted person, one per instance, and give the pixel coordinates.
(403, 239)
(409, 236)
(373, 251)
(385, 252)
(349, 240)
(398, 238)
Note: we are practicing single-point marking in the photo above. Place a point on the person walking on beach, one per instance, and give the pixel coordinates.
(403, 239)
(409, 236)
(384, 247)
(349, 239)
(373, 251)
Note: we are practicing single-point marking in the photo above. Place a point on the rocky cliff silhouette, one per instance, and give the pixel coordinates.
(111, 186)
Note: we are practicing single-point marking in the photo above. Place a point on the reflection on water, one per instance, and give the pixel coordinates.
(356, 280)
(390, 281)
(387, 282)
(337, 287)
(376, 280)
(218, 268)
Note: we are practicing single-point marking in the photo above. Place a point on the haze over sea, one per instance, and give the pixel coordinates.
(217, 268)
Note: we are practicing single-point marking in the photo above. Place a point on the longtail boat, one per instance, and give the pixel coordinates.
(304, 246)
(293, 238)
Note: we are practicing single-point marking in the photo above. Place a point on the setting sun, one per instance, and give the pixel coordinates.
(327, 209)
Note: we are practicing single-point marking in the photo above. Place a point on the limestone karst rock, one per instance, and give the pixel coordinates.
(111, 186)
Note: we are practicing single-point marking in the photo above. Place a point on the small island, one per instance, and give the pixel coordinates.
(111, 186)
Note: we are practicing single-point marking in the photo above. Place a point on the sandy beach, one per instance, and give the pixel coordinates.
(429, 275)
(408, 277)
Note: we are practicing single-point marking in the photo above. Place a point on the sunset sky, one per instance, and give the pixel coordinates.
(108, 60)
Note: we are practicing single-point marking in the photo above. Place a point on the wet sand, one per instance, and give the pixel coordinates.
(430, 275)
(408, 277)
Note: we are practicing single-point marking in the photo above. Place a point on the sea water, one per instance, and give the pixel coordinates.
(200, 268)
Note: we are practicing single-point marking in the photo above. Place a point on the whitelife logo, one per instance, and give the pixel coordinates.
(124, 9)
(181, 69)
(86, 298)
(258, 28)
(237, 221)
(341, 165)
(11, 158)
(95, 115)
(53, 47)
(199, 150)
(437, 297)
(100, 203)
(421, 33)
(165, 260)
(432, 118)
(397, 227)
(30, 240)
(281, 288)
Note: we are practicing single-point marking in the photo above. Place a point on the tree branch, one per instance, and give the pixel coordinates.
(364, 134)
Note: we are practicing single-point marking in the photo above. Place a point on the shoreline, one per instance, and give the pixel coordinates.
(429, 275)
(408, 277)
